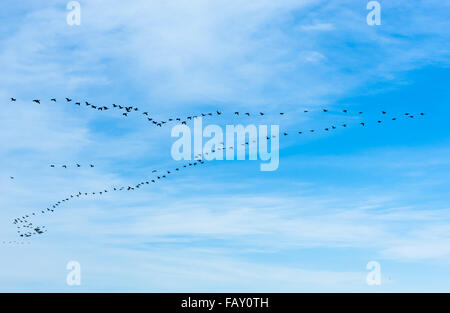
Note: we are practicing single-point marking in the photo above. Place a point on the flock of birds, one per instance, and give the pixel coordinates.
(182, 120)
(25, 228)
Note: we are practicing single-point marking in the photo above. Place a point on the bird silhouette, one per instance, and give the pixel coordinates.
(53, 99)
(37, 101)
(68, 99)
(13, 99)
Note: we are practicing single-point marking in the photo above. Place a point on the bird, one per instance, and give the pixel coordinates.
(13, 99)
(236, 113)
(145, 113)
(65, 166)
(77, 103)
(306, 111)
(325, 110)
(281, 113)
(68, 99)
(383, 112)
(261, 113)
(11, 177)
(52, 165)
(345, 111)
(37, 101)
(91, 165)
(248, 114)
(363, 124)
(53, 99)
(218, 113)
(125, 114)
(78, 165)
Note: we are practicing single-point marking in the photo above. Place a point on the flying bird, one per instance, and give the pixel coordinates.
(37, 101)
(13, 99)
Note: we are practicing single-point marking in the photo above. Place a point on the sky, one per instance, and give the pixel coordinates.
(337, 201)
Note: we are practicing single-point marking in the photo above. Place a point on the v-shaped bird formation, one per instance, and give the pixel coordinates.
(26, 228)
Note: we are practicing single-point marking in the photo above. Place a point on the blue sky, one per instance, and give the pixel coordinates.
(336, 202)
